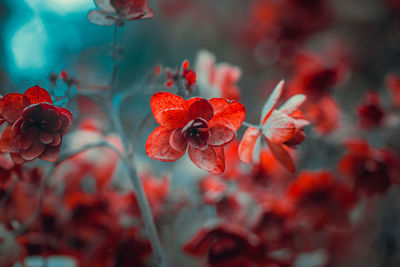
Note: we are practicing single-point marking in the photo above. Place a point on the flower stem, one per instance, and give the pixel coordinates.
(140, 194)
(115, 61)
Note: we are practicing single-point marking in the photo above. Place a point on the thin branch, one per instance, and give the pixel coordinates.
(141, 195)
(115, 61)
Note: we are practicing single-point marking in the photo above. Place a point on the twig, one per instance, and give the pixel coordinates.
(115, 61)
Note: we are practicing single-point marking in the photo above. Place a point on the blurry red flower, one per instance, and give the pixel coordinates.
(371, 171)
(205, 125)
(7, 170)
(324, 114)
(320, 199)
(217, 80)
(225, 245)
(185, 78)
(275, 224)
(284, 25)
(125, 248)
(370, 112)
(393, 83)
(110, 12)
(278, 127)
(35, 126)
(315, 76)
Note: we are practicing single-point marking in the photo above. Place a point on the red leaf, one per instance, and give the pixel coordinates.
(158, 147)
(228, 111)
(37, 94)
(247, 144)
(162, 101)
(12, 106)
(212, 159)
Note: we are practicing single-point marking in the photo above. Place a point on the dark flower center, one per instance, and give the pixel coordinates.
(196, 131)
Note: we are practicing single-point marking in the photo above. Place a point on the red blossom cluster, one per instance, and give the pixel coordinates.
(35, 127)
(303, 186)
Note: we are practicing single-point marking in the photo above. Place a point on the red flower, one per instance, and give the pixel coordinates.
(116, 11)
(370, 112)
(186, 77)
(320, 199)
(217, 80)
(315, 76)
(224, 245)
(372, 171)
(274, 226)
(393, 83)
(205, 125)
(35, 126)
(278, 127)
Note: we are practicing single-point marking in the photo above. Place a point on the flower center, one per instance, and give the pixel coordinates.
(196, 131)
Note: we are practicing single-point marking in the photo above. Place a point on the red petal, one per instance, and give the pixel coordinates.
(212, 159)
(190, 101)
(201, 109)
(34, 151)
(65, 124)
(51, 153)
(12, 106)
(27, 140)
(162, 101)
(228, 111)
(37, 94)
(157, 146)
(279, 128)
(174, 118)
(178, 140)
(281, 155)
(220, 135)
(271, 102)
(247, 144)
(46, 138)
(200, 141)
(8, 142)
(17, 126)
(17, 158)
(56, 139)
(199, 245)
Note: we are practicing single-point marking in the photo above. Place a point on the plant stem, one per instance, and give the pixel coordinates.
(140, 194)
(133, 177)
(115, 61)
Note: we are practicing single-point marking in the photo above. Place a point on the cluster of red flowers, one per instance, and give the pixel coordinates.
(242, 203)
